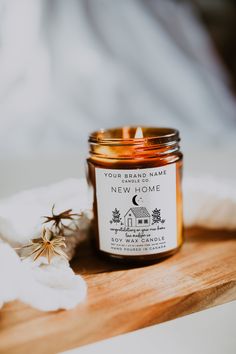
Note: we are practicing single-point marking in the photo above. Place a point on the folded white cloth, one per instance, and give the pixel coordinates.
(46, 287)
(208, 202)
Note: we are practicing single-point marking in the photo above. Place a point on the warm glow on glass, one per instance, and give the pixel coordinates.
(138, 133)
(125, 132)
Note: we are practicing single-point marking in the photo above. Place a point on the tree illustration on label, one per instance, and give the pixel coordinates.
(116, 216)
(156, 217)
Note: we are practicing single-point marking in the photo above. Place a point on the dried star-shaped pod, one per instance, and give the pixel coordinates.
(48, 245)
(57, 219)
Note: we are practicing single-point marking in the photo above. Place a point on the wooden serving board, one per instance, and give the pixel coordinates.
(201, 275)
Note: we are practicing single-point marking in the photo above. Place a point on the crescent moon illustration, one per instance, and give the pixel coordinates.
(134, 200)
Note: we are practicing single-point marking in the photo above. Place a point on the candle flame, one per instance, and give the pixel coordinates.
(138, 133)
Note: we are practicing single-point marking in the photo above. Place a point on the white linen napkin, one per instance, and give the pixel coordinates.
(43, 286)
(208, 202)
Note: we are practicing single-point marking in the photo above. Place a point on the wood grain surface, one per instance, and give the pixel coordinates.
(122, 299)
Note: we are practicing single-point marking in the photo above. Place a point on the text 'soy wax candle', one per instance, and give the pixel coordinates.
(136, 174)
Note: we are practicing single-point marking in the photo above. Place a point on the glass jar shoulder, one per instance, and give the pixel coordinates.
(135, 162)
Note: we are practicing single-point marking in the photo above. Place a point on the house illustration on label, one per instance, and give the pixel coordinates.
(137, 217)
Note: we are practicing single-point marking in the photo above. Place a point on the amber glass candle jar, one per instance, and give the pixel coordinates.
(136, 174)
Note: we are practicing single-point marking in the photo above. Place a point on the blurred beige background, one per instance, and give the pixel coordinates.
(69, 67)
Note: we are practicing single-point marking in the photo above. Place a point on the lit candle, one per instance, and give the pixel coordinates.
(135, 173)
(138, 133)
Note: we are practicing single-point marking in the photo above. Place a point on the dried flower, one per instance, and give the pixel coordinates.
(48, 245)
(57, 219)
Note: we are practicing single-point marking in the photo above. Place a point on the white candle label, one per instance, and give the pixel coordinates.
(137, 210)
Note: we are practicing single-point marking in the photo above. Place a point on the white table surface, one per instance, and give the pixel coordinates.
(211, 331)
